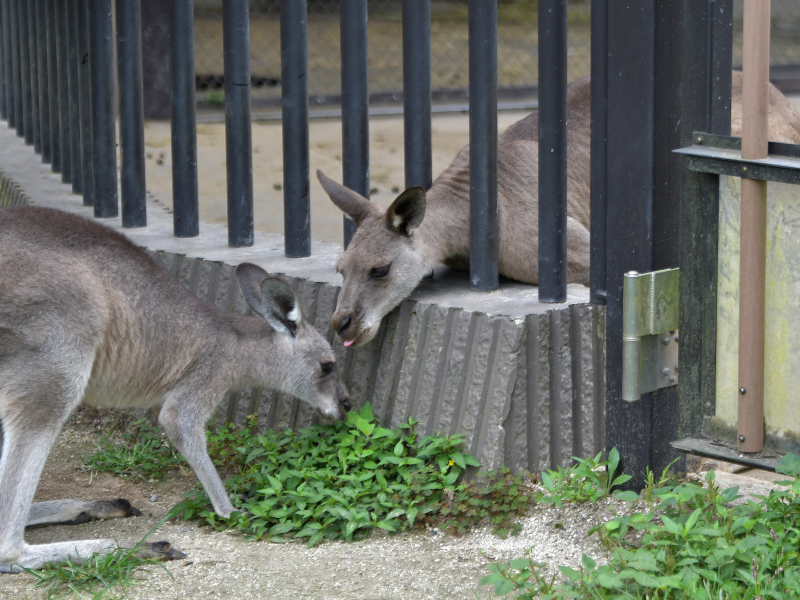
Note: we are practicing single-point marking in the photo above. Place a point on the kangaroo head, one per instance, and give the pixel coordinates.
(305, 360)
(383, 263)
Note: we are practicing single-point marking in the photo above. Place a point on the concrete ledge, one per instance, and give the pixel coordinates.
(523, 381)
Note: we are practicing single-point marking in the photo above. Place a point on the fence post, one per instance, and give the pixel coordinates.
(8, 73)
(552, 150)
(3, 71)
(71, 29)
(104, 139)
(417, 93)
(155, 59)
(131, 121)
(599, 166)
(355, 102)
(483, 243)
(52, 86)
(62, 58)
(33, 75)
(25, 70)
(41, 70)
(186, 216)
(294, 80)
(238, 134)
(87, 166)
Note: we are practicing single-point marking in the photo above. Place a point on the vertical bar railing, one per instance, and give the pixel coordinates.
(71, 29)
(3, 112)
(599, 135)
(13, 24)
(238, 133)
(753, 228)
(186, 214)
(131, 116)
(417, 93)
(34, 76)
(552, 150)
(44, 92)
(25, 70)
(8, 71)
(294, 79)
(355, 102)
(52, 86)
(87, 168)
(483, 245)
(62, 63)
(104, 142)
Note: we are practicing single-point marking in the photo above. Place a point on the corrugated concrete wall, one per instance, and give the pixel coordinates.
(523, 381)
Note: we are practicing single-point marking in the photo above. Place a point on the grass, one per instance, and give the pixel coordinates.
(690, 543)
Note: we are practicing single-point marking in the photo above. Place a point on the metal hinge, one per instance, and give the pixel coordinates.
(649, 332)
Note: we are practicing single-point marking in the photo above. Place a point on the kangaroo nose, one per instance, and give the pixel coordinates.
(344, 323)
(346, 404)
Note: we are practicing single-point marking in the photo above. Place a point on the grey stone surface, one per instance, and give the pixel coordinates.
(521, 380)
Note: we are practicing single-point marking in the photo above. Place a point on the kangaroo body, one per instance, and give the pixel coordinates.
(85, 316)
(392, 251)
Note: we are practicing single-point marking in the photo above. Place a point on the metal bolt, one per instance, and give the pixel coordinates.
(676, 338)
(673, 379)
(676, 367)
(742, 391)
(666, 341)
(744, 169)
(665, 371)
(741, 439)
(632, 273)
(699, 140)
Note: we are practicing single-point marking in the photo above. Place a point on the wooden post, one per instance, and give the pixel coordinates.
(753, 228)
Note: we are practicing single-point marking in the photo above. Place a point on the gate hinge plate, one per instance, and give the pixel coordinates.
(649, 332)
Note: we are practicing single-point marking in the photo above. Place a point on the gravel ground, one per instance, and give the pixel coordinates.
(420, 565)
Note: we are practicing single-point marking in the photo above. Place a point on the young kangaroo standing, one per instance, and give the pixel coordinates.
(393, 250)
(85, 316)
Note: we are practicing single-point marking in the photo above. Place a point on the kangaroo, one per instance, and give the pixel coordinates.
(392, 251)
(86, 316)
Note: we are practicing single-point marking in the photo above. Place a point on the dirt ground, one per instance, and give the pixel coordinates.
(421, 565)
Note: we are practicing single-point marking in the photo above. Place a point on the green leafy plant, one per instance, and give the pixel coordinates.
(144, 452)
(692, 543)
(335, 481)
(588, 480)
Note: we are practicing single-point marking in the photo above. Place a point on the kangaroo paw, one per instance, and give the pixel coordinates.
(160, 551)
(9, 569)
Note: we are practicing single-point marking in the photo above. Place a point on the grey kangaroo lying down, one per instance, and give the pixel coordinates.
(393, 250)
(85, 316)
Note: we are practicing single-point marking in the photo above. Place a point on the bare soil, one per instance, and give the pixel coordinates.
(420, 564)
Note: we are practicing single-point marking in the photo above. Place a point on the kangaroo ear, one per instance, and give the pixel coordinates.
(250, 277)
(349, 202)
(281, 308)
(270, 298)
(407, 211)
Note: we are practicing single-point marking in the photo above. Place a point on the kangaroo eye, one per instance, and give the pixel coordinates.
(379, 272)
(327, 367)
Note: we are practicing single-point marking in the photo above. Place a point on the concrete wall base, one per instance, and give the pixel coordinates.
(523, 381)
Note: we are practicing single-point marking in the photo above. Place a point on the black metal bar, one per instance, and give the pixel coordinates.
(25, 71)
(131, 119)
(186, 216)
(552, 150)
(62, 59)
(721, 65)
(87, 168)
(417, 93)
(355, 102)
(104, 139)
(599, 166)
(294, 79)
(41, 70)
(52, 86)
(3, 111)
(238, 135)
(13, 24)
(631, 90)
(8, 73)
(483, 243)
(33, 62)
(73, 93)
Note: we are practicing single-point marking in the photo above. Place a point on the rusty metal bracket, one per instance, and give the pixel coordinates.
(649, 332)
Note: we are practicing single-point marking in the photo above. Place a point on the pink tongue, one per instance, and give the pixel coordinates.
(348, 343)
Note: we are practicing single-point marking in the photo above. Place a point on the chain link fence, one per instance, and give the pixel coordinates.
(517, 52)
